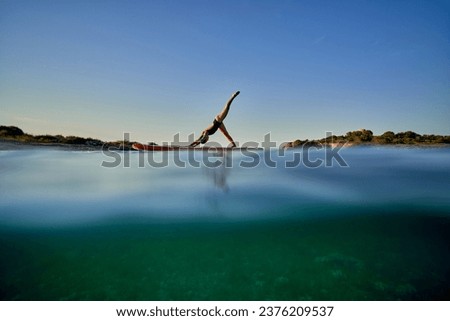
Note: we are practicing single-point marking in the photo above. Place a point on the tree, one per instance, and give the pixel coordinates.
(362, 135)
(388, 137)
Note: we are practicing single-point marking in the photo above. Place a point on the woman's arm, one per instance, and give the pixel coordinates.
(195, 143)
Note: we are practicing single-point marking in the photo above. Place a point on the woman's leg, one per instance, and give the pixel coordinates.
(221, 116)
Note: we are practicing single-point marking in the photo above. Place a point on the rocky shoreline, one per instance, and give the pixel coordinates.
(365, 137)
(12, 138)
(8, 144)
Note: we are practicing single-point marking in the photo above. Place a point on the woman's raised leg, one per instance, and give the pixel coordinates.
(221, 116)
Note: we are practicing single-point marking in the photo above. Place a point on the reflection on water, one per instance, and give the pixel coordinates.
(378, 229)
(218, 174)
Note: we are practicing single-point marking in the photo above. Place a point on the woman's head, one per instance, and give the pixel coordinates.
(204, 138)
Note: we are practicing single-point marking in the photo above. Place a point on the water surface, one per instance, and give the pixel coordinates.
(377, 229)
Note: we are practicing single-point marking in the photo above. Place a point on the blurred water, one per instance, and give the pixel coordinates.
(375, 229)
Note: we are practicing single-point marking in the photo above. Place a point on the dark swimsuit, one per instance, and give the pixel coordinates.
(215, 127)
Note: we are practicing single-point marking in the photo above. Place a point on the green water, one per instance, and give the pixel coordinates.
(378, 229)
(396, 256)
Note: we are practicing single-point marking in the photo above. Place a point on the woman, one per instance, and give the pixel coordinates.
(217, 124)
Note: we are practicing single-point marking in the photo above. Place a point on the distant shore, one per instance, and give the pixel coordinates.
(12, 137)
(365, 137)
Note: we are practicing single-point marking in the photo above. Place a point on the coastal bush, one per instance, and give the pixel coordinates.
(94, 142)
(46, 139)
(366, 135)
(387, 137)
(408, 137)
(296, 143)
(362, 135)
(10, 131)
(329, 139)
(75, 140)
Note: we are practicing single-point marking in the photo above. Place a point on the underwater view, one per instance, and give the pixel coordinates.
(79, 225)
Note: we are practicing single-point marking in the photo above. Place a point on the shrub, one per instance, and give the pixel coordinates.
(11, 131)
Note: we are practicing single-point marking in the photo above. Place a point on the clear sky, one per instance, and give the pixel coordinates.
(155, 68)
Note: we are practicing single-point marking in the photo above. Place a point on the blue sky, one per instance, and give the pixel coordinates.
(156, 68)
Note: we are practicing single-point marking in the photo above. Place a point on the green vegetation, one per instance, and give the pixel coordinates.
(15, 134)
(357, 137)
(366, 137)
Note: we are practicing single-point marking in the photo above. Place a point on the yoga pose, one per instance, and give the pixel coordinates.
(217, 124)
